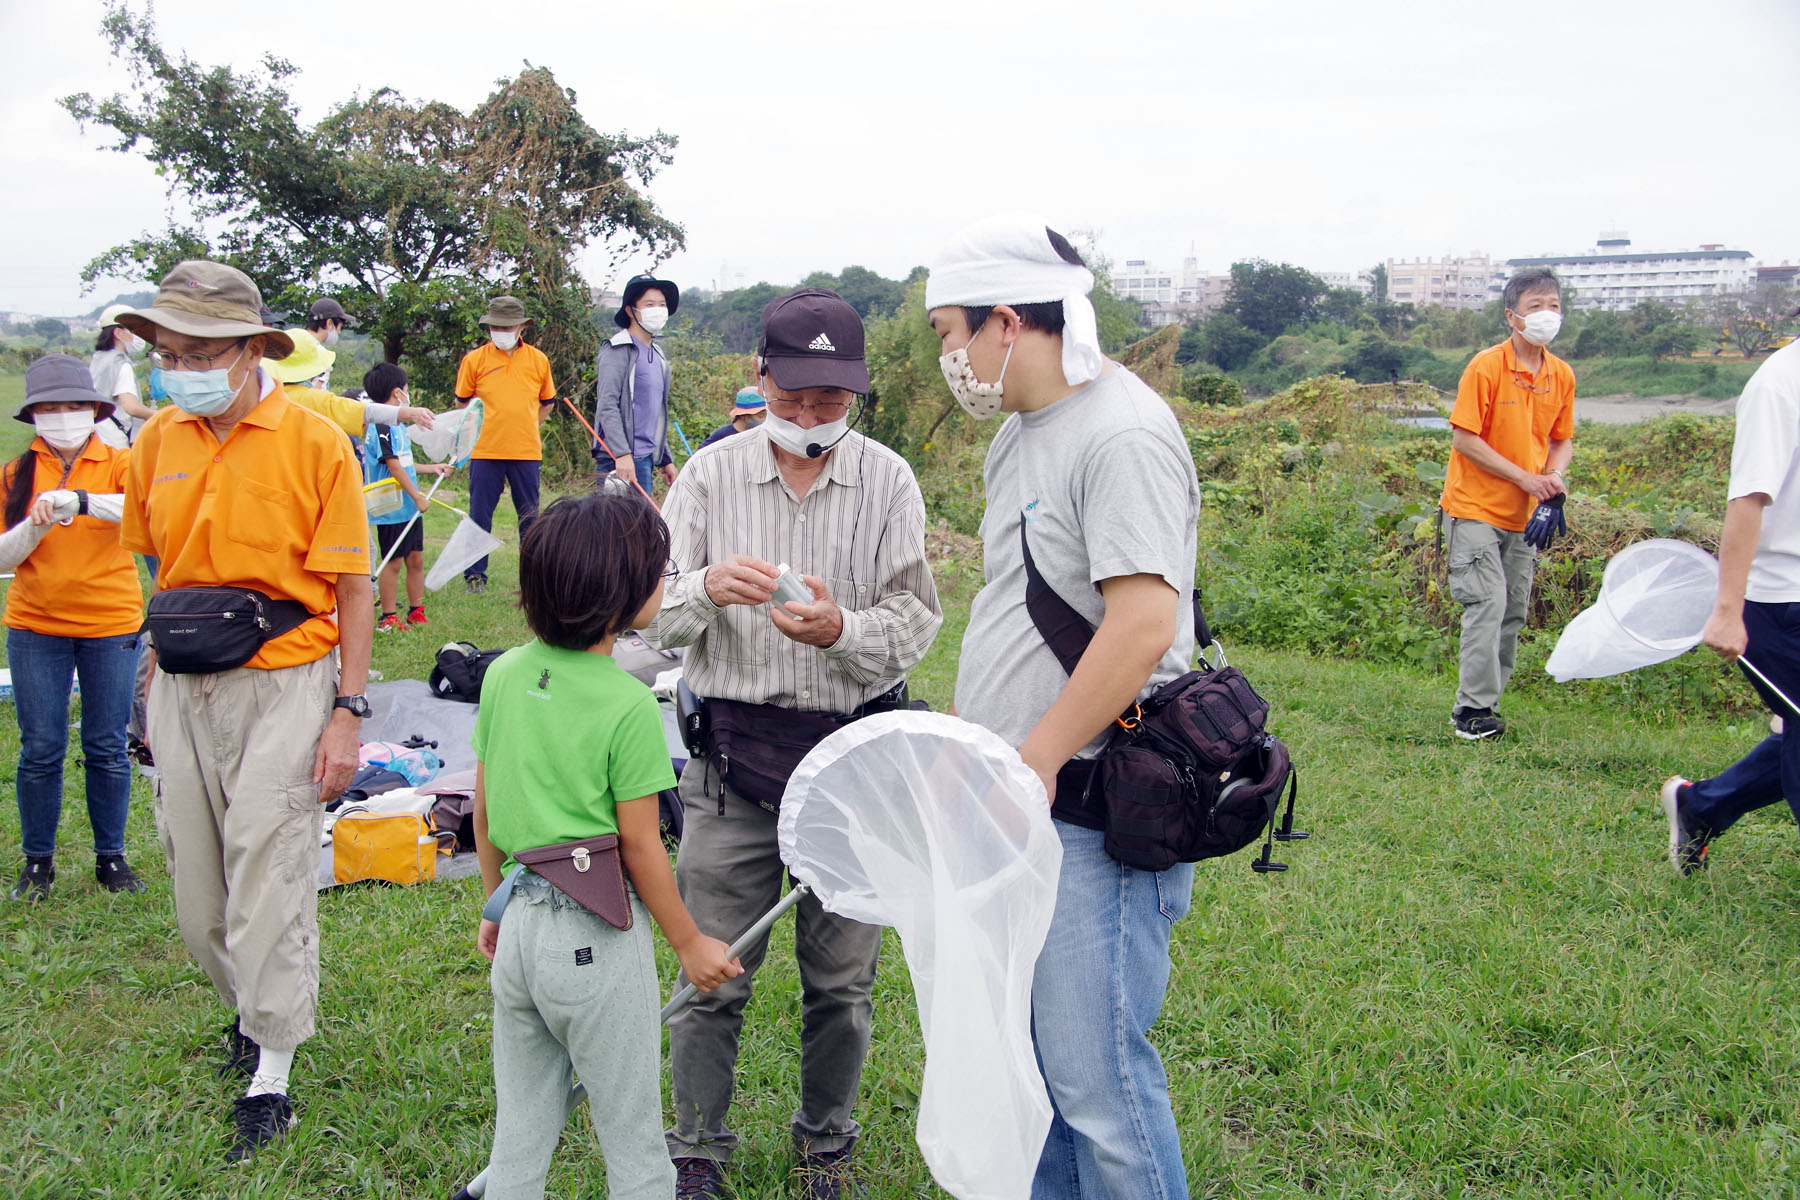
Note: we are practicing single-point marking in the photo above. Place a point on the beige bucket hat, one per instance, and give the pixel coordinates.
(207, 300)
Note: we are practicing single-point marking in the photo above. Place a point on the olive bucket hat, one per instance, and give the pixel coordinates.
(207, 300)
(504, 311)
(60, 378)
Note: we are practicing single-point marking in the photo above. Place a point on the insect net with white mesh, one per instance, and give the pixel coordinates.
(936, 827)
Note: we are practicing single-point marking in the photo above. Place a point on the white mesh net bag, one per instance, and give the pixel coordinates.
(452, 435)
(1654, 601)
(936, 827)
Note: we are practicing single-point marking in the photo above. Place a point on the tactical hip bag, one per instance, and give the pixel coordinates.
(1189, 773)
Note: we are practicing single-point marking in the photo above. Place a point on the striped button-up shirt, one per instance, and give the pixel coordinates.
(860, 527)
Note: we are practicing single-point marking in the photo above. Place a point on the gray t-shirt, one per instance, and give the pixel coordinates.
(1106, 481)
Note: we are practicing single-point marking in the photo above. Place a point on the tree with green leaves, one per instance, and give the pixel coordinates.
(409, 213)
(871, 295)
(1271, 298)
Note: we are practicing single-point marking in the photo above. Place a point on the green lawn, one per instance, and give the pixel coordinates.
(1480, 978)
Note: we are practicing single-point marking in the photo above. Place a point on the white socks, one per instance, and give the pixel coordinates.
(272, 1067)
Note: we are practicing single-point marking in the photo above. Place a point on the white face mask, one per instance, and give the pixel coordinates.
(796, 440)
(653, 319)
(330, 338)
(132, 346)
(65, 430)
(980, 400)
(505, 339)
(1541, 326)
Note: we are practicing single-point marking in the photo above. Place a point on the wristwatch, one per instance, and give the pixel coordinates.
(358, 705)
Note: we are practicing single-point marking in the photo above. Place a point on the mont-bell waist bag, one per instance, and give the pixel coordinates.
(1190, 773)
(202, 630)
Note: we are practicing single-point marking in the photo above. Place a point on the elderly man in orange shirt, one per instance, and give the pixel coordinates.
(517, 392)
(254, 508)
(1512, 434)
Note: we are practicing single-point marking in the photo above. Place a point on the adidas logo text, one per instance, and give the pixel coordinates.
(822, 343)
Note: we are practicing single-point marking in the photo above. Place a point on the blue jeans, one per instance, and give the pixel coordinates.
(486, 477)
(41, 669)
(1770, 772)
(1098, 988)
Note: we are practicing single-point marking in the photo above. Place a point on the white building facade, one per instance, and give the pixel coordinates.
(1613, 277)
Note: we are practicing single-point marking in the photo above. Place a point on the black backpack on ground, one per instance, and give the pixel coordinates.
(1190, 773)
(461, 666)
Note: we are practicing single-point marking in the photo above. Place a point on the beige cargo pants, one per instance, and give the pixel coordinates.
(239, 818)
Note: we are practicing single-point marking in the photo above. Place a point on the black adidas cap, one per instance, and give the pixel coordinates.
(813, 338)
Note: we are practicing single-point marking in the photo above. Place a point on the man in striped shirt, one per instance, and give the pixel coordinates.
(845, 512)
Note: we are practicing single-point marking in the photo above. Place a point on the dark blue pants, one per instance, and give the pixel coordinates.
(486, 477)
(1770, 772)
(42, 667)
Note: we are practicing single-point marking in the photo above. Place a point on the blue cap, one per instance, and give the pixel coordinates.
(749, 400)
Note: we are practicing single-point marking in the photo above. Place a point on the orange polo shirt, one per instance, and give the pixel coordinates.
(277, 507)
(512, 387)
(79, 582)
(1516, 412)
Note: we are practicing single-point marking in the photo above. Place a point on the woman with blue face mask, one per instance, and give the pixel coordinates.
(73, 611)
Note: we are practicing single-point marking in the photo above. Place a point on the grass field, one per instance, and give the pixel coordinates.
(1480, 978)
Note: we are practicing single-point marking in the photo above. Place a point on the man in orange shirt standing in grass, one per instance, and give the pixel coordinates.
(254, 507)
(1512, 434)
(517, 392)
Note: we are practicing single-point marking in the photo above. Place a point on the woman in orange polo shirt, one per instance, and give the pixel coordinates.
(73, 610)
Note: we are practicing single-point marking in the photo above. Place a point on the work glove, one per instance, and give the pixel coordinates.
(1547, 523)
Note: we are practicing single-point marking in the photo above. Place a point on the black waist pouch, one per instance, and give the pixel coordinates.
(755, 747)
(203, 630)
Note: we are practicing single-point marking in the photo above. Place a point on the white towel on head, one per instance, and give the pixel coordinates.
(1008, 259)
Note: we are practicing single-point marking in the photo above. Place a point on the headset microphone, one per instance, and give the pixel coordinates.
(814, 450)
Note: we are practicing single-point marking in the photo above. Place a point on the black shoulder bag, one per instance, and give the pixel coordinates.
(1190, 773)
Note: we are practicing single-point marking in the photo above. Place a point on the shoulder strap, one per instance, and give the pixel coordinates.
(1064, 630)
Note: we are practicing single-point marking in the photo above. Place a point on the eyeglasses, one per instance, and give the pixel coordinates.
(193, 360)
(828, 410)
(1528, 385)
(672, 571)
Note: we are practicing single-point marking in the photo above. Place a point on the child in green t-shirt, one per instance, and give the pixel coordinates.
(570, 746)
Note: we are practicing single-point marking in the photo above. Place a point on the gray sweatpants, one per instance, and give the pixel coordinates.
(1490, 576)
(729, 870)
(575, 996)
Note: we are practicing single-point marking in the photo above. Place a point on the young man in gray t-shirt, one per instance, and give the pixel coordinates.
(1092, 465)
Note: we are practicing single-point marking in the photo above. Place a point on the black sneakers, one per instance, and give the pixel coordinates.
(241, 1053)
(1476, 724)
(475, 584)
(34, 881)
(260, 1120)
(116, 875)
(828, 1176)
(698, 1179)
(1687, 838)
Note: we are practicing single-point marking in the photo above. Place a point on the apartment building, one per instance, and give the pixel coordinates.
(1612, 276)
(1451, 282)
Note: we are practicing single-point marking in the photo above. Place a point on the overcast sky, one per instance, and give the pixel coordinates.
(813, 136)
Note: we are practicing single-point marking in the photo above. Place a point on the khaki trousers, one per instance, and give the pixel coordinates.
(1491, 571)
(239, 818)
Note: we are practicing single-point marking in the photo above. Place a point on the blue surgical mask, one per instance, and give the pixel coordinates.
(201, 393)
